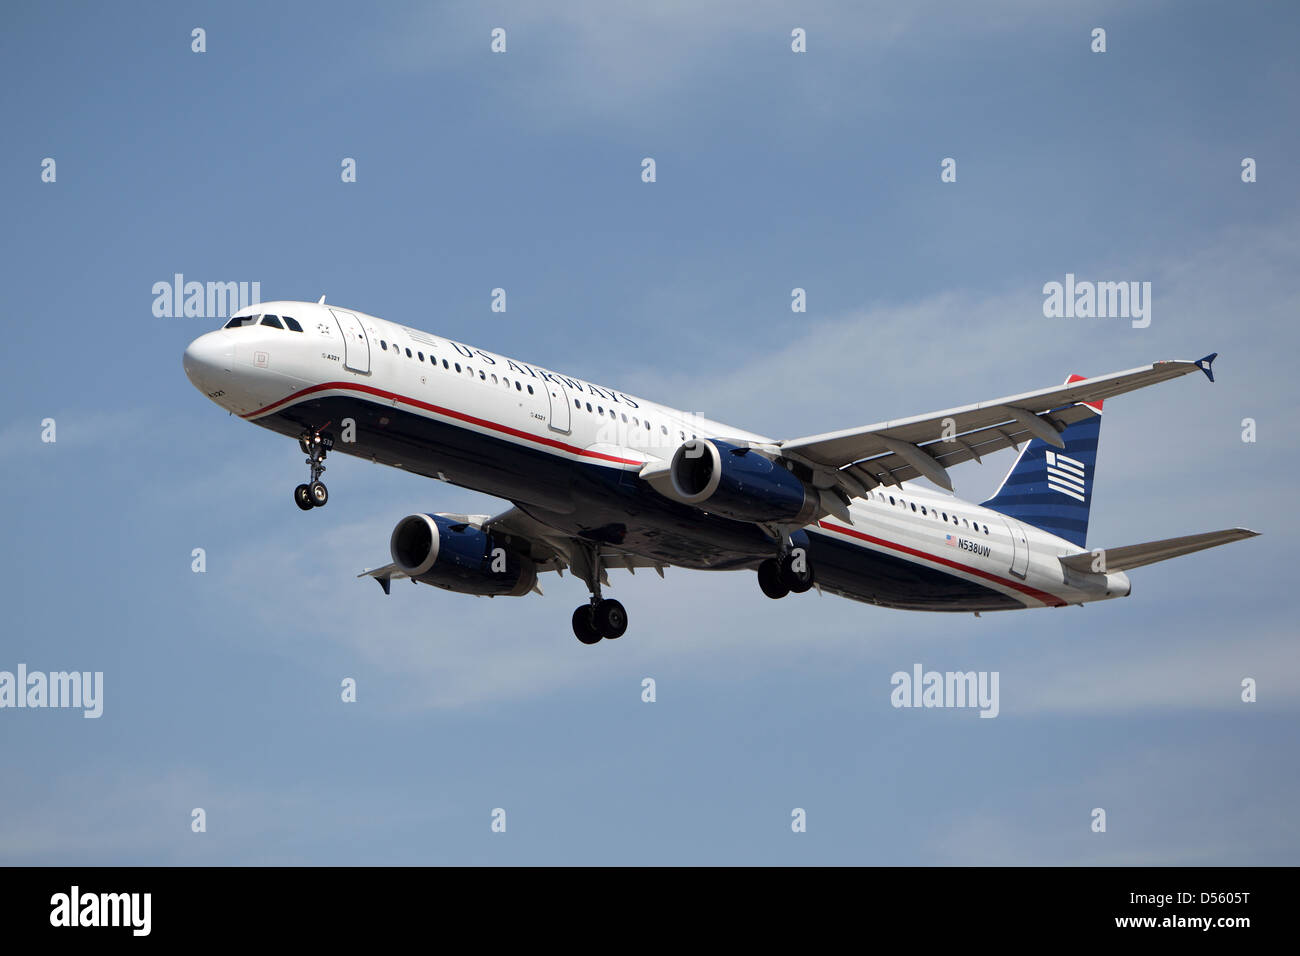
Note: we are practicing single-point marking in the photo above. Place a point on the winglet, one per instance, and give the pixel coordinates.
(1206, 365)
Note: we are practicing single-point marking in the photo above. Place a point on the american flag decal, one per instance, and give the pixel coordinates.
(950, 540)
(1065, 475)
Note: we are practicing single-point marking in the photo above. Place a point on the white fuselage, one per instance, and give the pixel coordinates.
(258, 371)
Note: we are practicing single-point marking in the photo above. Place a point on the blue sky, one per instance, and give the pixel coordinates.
(522, 171)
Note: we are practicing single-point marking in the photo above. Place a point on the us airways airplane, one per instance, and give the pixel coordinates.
(601, 479)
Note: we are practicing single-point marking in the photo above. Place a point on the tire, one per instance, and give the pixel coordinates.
(302, 498)
(769, 579)
(319, 494)
(610, 619)
(796, 581)
(583, 629)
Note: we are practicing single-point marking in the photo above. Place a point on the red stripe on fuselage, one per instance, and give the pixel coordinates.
(1034, 593)
(439, 410)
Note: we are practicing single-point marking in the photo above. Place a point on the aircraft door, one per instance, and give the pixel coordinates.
(356, 347)
(558, 396)
(1019, 547)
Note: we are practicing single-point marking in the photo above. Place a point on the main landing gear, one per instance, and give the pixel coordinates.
(601, 617)
(788, 572)
(313, 494)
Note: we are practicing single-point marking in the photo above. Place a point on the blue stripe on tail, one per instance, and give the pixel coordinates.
(1051, 488)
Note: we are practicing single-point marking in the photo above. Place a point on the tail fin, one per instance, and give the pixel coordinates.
(1051, 488)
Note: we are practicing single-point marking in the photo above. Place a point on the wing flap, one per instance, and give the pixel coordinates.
(891, 468)
(972, 430)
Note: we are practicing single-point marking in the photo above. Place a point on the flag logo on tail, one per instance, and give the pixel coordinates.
(1065, 475)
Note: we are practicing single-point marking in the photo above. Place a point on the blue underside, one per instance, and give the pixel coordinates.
(605, 504)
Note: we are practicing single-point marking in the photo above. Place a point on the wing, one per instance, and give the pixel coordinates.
(858, 459)
(549, 550)
(1139, 555)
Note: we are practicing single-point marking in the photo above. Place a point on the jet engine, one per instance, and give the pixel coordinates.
(739, 483)
(449, 554)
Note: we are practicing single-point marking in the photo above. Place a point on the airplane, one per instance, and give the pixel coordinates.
(601, 479)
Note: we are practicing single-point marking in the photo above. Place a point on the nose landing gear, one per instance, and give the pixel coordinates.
(312, 494)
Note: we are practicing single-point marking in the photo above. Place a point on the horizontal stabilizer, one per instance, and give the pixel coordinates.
(1138, 555)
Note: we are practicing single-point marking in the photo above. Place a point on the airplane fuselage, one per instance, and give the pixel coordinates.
(569, 453)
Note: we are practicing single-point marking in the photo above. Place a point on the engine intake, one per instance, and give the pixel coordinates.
(459, 557)
(738, 483)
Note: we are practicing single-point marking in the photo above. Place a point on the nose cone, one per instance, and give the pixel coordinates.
(207, 361)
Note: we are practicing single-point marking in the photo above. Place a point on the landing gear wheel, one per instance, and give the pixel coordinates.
(313, 494)
(583, 627)
(769, 579)
(796, 572)
(609, 618)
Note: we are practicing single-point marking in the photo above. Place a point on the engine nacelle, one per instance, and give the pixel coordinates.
(459, 557)
(739, 483)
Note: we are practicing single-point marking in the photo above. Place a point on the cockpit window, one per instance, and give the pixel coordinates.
(238, 320)
(271, 321)
(291, 323)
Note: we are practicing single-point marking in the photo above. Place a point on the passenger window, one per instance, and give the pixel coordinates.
(600, 410)
(922, 509)
(408, 353)
(457, 366)
(481, 376)
(292, 323)
(891, 499)
(421, 356)
(383, 345)
(518, 388)
(494, 379)
(272, 321)
(664, 429)
(589, 406)
(577, 404)
(530, 390)
(913, 505)
(624, 419)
